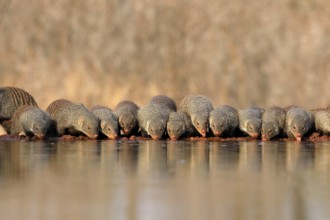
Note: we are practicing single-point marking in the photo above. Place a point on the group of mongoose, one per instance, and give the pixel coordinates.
(160, 118)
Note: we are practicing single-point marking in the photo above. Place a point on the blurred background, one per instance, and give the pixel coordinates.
(266, 52)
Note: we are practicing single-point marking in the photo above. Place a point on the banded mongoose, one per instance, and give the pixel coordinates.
(108, 121)
(30, 121)
(179, 125)
(224, 120)
(74, 119)
(11, 98)
(250, 121)
(322, 121)
(273, 122)
(165, 101)
(126, 112)
(152, 119)
(298, 122)
(198, 107)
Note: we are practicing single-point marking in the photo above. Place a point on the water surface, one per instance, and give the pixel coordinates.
(164, 180)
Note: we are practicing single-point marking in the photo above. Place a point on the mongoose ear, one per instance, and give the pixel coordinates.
(193, 117)
(81, 121)
(102, 124)
(31, 126)
(246, 123)
(120, 118)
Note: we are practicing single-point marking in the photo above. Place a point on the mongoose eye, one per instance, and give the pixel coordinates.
(303, 128)
(109, 129)
(152, 130)
(294, 127)
(122, 124)
(250, 128)
(197, 123)
(89, 128)
(178, 130)
(212, 125)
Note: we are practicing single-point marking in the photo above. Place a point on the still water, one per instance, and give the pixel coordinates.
(164, 180)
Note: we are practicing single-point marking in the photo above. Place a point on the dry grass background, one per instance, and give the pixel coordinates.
(260, 52)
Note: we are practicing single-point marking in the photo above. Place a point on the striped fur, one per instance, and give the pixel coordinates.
(73, 119)
(11, 98)
(165, 101)
(56, 107)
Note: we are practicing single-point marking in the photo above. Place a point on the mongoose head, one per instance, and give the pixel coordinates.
(109, 128)
(218, 126)
(89, 125)
(127, 122)
(156, 128)
(175, 129)
(299, 126)
(268, 131)
(201, 123)
(253, 127)
(35, 123)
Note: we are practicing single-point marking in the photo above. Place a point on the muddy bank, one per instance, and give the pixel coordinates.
(314, 137)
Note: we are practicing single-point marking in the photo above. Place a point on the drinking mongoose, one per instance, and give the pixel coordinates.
(108, 121)
(73, 118)
(30, 121)
(165, 101)
(273, 122)
(250, 121)
(322, 121)
(298, 122)
(198, 107)
(126, 112)
(152, 119)
(223, 120)
(179, 125)
(11, 98)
